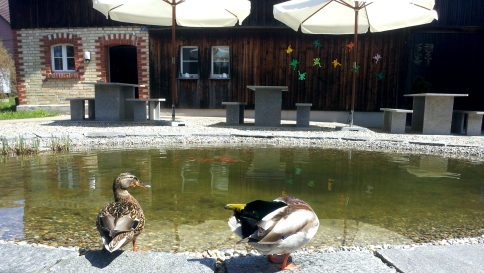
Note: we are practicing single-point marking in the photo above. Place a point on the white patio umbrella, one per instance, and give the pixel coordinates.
(353, 17)
(189, 13)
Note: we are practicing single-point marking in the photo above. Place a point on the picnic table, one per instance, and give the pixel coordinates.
(110, 100)
(268, 104)
(432, 112)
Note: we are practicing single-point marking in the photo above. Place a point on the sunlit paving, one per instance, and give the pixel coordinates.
(361, 198)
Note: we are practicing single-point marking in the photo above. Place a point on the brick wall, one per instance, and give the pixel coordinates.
(38, 85)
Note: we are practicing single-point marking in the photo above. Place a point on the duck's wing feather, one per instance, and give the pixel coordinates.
(115, 226)
(119, 223)
(284, 222)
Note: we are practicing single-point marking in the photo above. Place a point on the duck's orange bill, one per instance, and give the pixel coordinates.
(142, 185)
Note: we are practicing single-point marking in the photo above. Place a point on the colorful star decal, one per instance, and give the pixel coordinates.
(289, 50)
(380, 75)
(317, 43)
(355, 69)
(302, 76)
(311, 183)
(317, 62)
(290, 181)
(298, 170)
(350, 46)
(377, 57)
(294, 63)
(336, 63)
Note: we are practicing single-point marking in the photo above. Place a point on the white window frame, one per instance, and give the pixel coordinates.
(215, 75)
(64, 58)
(182, 61)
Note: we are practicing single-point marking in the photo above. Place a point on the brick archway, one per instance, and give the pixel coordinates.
(47, 41)
(102, 50)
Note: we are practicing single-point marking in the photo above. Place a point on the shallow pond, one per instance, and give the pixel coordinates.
(361, 198)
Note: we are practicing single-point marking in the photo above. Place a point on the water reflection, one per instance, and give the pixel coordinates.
(426, 166)
(266, 165)
(220, 180)
(360, 197)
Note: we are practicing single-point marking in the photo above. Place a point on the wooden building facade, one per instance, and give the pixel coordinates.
(317, 70)
(259, 57)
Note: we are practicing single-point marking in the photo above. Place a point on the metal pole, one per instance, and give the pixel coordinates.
(355, 48)
(173, 112)
(173, 65)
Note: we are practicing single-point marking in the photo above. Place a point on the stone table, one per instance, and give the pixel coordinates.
(268, 103)
(432, 112)
(110, 100)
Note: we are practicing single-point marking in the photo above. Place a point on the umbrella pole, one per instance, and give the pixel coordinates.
(173, 65)
(353, 85)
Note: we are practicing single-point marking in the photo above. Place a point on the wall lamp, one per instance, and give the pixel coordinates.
(87, 56)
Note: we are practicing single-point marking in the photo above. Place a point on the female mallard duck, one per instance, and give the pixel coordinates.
(278, 227)
(123, 220)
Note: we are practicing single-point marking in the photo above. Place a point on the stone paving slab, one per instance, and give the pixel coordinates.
(452, 259)
(210, 134)
(253, 134)
(75, 135)
(105, 134)
(59, 135)
(168, 134)
(15, 258)
(54, 135)
(144, 134)
(128, 261)
(347, 262)
(427, 142)
(357, 138)
(455, 259)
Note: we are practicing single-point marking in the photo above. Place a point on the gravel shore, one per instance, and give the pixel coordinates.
(213, 131)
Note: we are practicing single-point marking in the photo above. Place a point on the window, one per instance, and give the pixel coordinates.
(63, 58)
(220, 61)
(189, 61)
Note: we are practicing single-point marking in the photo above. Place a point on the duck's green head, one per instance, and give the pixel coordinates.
(257, 209)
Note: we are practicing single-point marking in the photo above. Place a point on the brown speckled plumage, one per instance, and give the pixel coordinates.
(120, 222)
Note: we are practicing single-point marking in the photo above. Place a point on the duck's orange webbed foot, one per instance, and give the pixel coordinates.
(275, 259)
(281, 262)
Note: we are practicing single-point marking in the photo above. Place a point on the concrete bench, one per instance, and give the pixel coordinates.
(139, 107)
(78, 108)
(467, 122)
(235, 112)
(394, 120)
(303, 114)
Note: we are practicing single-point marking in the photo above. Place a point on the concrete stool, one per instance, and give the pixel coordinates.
(302, 114)
(78, 108)
(394, 120)
(139, 106)
(468, 122)
(235, 112)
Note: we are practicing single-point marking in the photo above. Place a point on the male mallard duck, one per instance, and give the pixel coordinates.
(123, 220)
(278, 227)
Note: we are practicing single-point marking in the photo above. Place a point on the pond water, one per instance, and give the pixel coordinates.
(362, 198)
